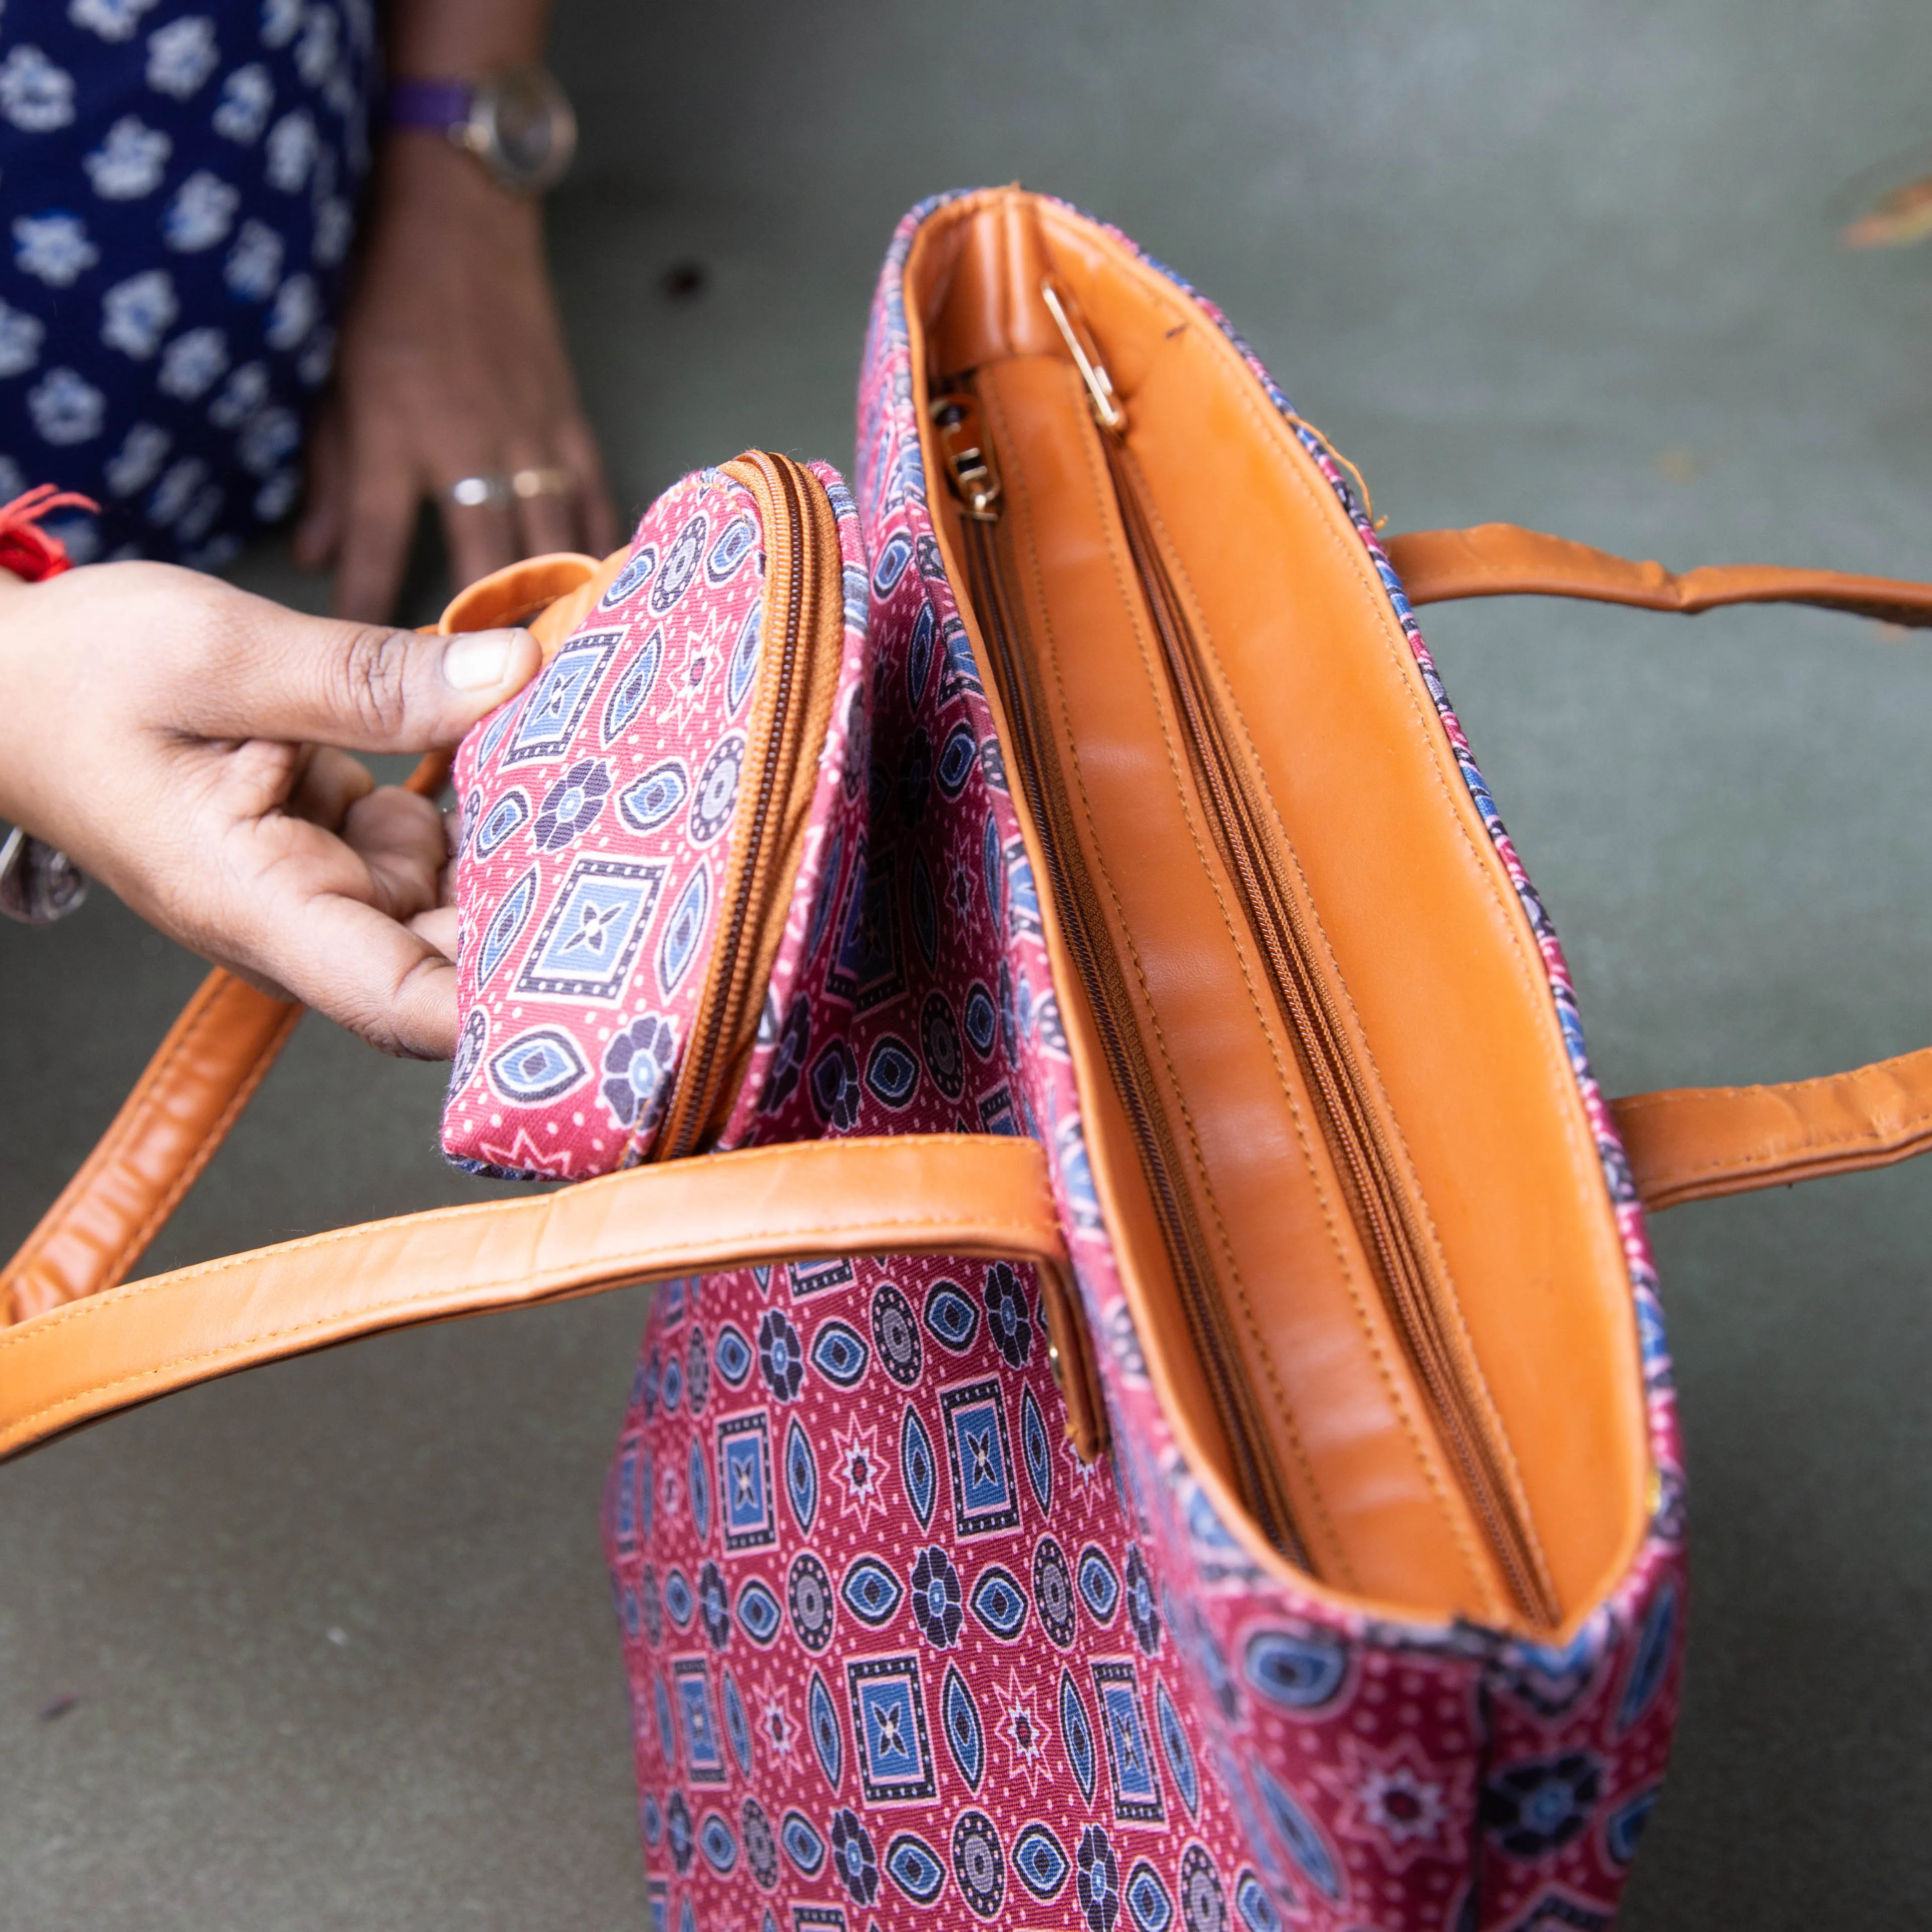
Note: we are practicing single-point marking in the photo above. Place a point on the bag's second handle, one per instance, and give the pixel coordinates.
(228, 1036)
(1690, 1144)
(980, 1195)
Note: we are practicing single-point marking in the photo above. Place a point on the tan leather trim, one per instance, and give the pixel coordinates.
(1694, 1143)
(1503, 560)
(201, 1077)
(1431, 952)
(976, 1195)
(518, 592)
(802, 643)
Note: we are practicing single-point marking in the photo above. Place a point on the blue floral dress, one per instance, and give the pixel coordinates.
(178, 181)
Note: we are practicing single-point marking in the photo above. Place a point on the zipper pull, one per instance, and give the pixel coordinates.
(969, 463)
(1109, 410)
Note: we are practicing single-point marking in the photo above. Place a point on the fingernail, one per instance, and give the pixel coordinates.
(478, 660)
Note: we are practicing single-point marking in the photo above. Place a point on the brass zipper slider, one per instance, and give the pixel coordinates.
(969, 463)
(1109, 410)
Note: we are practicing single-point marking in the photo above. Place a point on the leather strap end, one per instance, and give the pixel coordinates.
(1505, 560)
(1698, 1143)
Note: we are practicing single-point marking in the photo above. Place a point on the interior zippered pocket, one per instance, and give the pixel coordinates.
(1334, 1090)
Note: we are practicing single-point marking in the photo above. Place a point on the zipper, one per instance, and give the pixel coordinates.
(805, 607)
(784, 739)
(1234, 800)
(969, 465)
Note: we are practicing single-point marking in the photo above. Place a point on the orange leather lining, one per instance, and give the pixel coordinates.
(1425, 938)
(979, 1195)
(1502, 559)
(1371, 1496)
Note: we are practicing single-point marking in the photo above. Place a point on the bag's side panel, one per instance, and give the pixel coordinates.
(1395, 1773)
(889, 1639)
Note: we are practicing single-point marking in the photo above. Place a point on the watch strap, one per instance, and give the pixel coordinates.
(442, 106)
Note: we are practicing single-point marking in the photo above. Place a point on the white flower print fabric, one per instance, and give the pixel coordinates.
(178, 188)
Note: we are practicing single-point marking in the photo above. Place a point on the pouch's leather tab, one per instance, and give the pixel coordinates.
(984, 1194)
(1505, 560)
(517, 592)
(1695, 1143)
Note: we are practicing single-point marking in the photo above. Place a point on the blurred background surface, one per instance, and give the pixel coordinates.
(328, 1645)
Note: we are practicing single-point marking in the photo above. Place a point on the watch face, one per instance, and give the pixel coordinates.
(528, 133)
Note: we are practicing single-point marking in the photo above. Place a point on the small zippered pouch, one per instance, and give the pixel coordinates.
(632, 827)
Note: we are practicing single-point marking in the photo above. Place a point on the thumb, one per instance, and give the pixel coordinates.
(363, 687)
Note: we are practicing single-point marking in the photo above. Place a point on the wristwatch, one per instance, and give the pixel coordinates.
(37, 884)
(519, 123)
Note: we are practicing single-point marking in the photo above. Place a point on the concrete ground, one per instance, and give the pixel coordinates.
(327, 1645)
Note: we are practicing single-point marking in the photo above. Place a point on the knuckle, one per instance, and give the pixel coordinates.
(370, 676)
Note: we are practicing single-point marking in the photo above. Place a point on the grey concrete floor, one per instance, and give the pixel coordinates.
(336, 1632)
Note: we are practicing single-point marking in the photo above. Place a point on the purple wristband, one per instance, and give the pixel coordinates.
(439, 105)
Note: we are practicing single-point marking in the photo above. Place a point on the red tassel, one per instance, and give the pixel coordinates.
(27, 550)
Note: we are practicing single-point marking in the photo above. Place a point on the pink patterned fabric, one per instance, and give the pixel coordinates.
(596, 813)
(893, 1652)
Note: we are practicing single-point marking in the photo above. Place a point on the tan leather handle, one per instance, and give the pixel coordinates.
(984, 1194)
(191, 1093)
(1691, 1144)
(206, 1070)
(1505, 560)
(1694, 1143)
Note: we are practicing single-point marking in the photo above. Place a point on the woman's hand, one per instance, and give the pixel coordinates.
(169, 733)
(452, 365)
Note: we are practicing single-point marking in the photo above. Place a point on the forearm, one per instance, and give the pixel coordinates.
(458, 40)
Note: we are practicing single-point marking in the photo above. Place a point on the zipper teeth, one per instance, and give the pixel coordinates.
(695, 1096)
(1355, 1136)
(1083, 930)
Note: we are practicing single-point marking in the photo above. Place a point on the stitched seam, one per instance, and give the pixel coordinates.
(1564, 1087)
(1804, 1156)
(636, 1267)
(212, 1139)
(1679, 1097)
(1457, 1520)
(1016, 476)
(75, 1310)
(129, 1124)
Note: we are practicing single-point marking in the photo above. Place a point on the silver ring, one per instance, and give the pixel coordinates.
(497, 490)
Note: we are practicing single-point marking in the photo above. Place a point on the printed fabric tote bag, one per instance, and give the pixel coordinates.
(1157, 1416)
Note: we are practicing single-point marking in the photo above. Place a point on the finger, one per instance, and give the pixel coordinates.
(329, 783)
(318, 532)
(547, 522)
(480, 538)
(270, 673)
(399, 838)
(441, 927)
(596, 515)
(378, 522)
(292, 917)
(362, 970)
